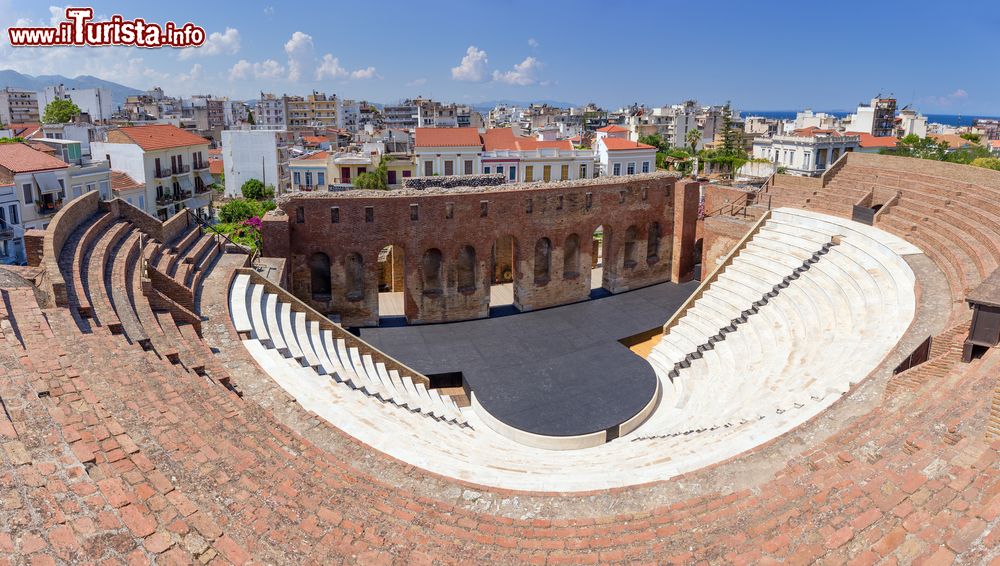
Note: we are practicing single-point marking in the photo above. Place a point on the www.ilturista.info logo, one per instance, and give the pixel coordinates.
(78, 29)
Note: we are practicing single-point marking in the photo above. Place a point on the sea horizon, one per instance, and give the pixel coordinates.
(945, 119)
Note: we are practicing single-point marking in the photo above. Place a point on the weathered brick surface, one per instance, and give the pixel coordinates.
(414, 222)
(114, 454)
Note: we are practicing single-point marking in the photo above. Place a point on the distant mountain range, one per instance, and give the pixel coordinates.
(17, 80)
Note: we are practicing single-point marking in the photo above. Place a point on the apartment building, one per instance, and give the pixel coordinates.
(270, 111)
(35, 181)
(310, 113)
(94, 102)
(617, 156)
(877, 118)
(19, 106)
(170, 163)
(432, 114)
(402, 116)
(260, 153)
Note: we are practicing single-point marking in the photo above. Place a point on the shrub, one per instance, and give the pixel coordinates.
(256, 190)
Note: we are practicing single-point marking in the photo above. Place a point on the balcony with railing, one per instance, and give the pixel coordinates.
(181, 169)
(48, 205)
(162, 173)
(6, 230)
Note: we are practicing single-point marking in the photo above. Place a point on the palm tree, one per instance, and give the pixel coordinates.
(693, 137)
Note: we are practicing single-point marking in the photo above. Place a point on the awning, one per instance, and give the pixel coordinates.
(47, 181)
(186, 183)
(206, 177)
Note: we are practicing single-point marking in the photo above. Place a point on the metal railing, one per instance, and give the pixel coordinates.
(162, 173)
(205, 225)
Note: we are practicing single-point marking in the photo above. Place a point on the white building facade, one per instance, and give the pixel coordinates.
(807, 153)
(259, 153)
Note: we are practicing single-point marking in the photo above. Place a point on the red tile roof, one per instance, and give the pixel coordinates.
(868, 140)
(504, 139)
(215, 152)
(161, 136)
(42, 147)
(215, 166)
(24, 130)
(447, 137)
(612, 129)
(316, 139)
(20, 158)
(954, 141)
(121, 181)
(621, 144)
(317, 155)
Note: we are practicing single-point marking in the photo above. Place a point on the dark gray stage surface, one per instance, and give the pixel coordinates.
(559, 371)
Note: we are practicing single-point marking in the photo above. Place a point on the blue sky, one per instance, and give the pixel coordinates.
(764, 55)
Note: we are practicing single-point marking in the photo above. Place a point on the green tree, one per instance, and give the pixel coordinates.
(60, 112)
(656, 141)
(254, 189)
(375, 180)
(972, 137)
(16, 139)
(250, 119)
(238, 210)
(915, 146)
(692, 138)
(987, 163)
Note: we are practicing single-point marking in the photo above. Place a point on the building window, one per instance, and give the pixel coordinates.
(369, 214)
(484, 208)
(618, 169)
(334, 214)
(428, 168)
(486, 170)
(589, 200)
(564, 172)
(142, 202)
(13, 214)
(546, 173)
(77, 190)
(645, 167)
(512, 172)
(297, 178)
(300, 215)
(320, 178)
(28, 194)
(414, 211)
(309, 178)
(449, 167)
(500, 170)
(529, 173)
(407, 174)
(631, 168)
(319, 267)
(583, 170)
(468, 167)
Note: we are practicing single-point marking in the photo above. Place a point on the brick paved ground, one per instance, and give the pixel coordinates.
(110, 453)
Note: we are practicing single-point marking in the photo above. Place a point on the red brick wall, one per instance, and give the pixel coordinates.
(721, 234)
(557, 210)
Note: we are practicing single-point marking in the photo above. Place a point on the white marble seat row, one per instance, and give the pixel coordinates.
(280, 329)
(777, 370)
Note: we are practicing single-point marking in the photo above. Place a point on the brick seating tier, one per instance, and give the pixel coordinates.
(113, 453)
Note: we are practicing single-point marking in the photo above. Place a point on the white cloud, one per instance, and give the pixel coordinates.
(269, 69)
(532, 42)
(524, 73)
(195, 74)
(269, 10)
(417, 82)
(217, 44)
(240, 70)
(363, 73)
(329, 68)
(958, 95)
(473, 66)
(300, 54)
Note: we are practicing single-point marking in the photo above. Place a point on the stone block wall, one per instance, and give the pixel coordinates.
(461, 227)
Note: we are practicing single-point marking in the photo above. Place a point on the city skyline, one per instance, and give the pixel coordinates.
(814, 60)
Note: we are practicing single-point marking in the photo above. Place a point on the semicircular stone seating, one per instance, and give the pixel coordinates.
(127, 443)
(301, 354)
(811, 289)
